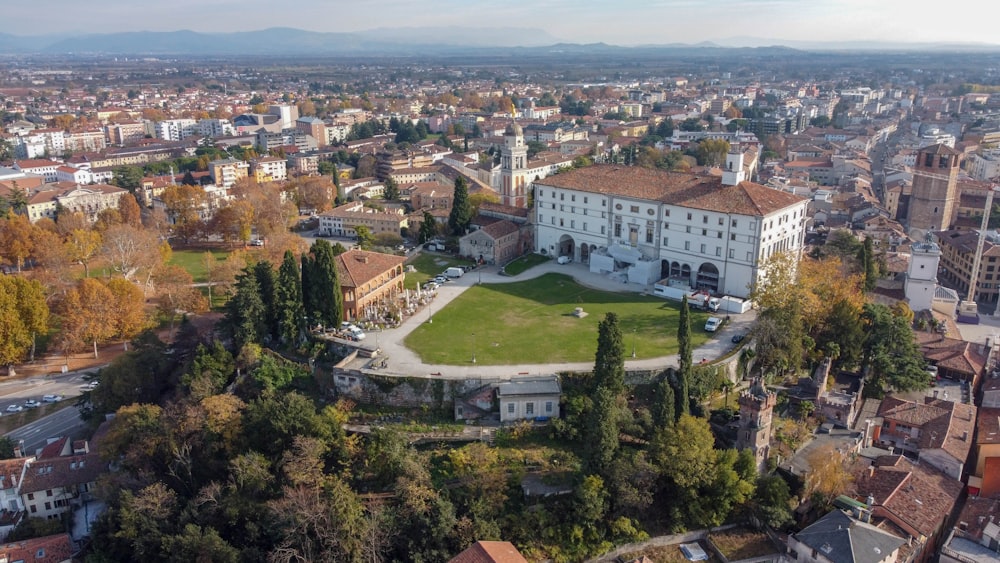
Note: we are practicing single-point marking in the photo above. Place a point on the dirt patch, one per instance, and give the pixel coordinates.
(740, 543)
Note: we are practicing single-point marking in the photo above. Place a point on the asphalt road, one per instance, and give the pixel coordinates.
(65, 422)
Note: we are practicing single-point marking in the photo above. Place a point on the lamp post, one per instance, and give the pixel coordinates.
(473, 347)
(634, 330)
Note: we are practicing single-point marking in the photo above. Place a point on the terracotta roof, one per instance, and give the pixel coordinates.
(490, 207)
(358, 267)
(952, 354)
(53, 449)
(36, 163)
(674, 188)
(988, 426)
(490, 552)
(10, 472)
(49, 548)
(977, 513)
(62, 472)
(500, 229)
(940, 149)
(952, 432)
(915, 495)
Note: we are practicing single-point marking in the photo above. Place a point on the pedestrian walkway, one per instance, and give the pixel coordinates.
(404, 362)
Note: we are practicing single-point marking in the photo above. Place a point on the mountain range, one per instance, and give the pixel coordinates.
(396, 41)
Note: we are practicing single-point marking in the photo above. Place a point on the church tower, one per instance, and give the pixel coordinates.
(756, 410)
(514, 168)
(733, 174)
(934, 197)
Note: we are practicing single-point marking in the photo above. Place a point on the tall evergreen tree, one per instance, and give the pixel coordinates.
(684, 359)
(602, 433)
(609, 364)
(321, 286)
(666, 404)
(306, 289)
(245, 311)
(428, 227)
(267, 282)
(868, 262)
(461, 208)
(291, 321)
(391, 190)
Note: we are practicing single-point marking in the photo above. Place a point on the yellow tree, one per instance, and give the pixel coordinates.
(183, 204)
(82, 246)
(87, 315)
(23, 314)
(829, 474)
(129, 210)
(16, 240)
(175, 292)
(128, 314)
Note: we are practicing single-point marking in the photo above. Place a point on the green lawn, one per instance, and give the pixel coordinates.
(531, 322)
(192, 261)
(523, 263)
(430, 264)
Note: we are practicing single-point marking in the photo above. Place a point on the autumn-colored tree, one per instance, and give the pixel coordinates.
(87, 313)
(107, 218)
(176, 293)
(82, 246)
(128, 314)
(23, 315)
(17, 240)
(128, 209)
(130, 251)
(183, 204)
(829, 474)
(317, 193)
(67, 221)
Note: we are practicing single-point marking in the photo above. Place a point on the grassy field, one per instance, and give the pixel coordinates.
(523, 263)
(192, 261)
(532, 322)
(429, 265)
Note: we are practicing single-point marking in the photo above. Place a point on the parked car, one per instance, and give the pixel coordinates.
(737, 338)
(440, 280)
(713, 324)
(257, 242)
(14, 408)
(31, 403)
(52, 398)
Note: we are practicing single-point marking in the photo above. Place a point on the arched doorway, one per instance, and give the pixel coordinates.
(686, 272)
(708, 277)
(566, 246)
(675, 269)
(585, 250)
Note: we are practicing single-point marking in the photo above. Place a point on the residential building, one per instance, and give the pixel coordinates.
(917, 499)
(958, 249)
(121, 134)
(57, 548)
(976, 535)
(428, 195)
(57, 484)
(955, 359)
(227, 172)
(934, 196)
(313, 127)
(490, 552)
(85, 141)
(715, 232)
(75, 175)
(304, 164)
(984, 165)
(269, 169)
(985, 478)
(175, 129)
(369, 281)
(838, 538)
(215, 128)
(524, 399)
(12, 473)
(291, 137)
(937, 431)
(39, 167)
(341, 221)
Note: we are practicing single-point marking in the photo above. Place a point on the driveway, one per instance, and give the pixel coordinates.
(404, 362)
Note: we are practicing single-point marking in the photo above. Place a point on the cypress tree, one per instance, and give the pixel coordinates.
(324, 285)
(245, 311)
(684, 359)
(461, 208)
(868, 261)
(666, 404)
(289, 294)
(609, 364)
(267, 283)
(308, 302)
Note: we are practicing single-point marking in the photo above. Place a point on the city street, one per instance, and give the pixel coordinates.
(66, 422)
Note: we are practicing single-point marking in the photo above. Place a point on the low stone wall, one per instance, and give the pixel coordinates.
(392, 391)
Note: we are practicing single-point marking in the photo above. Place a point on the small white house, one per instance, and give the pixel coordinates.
(529, 399)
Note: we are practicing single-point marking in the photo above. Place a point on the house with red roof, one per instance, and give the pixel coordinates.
(490, 552)
(368, 280)
(57, 548)
(939, 432)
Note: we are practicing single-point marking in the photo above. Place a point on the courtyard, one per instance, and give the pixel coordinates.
(533, 322)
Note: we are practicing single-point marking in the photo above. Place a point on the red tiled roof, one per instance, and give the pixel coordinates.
(62, 472)
(36, 163)
(988, 426)
(357, 267)
(49, 548)
(490, 552)
(10, 472)
(675, 188)
(915, 495)
(500, 229)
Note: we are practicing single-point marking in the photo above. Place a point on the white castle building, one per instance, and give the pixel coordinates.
(714, 233)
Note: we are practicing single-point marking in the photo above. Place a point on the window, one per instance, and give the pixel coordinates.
(584, 199)
(704, 232)
(48, 493)
(633, 209)
(585, 226)
(704, 218)
(34, 509)
(604, 203)
(548, 406)
(31, 496)
(603, 229)
(48, 506)
(510, 408)
(666, 241)
(541, 194)
(649, 236)
(553, 220)
(572, 224)
(687, 229)
(541, 218)
(718, 234)
(720, 221)
(529, 408)
(666, 225)
(560, 221)
(702, 249)
(687, 245)
(572, 197)
(618, 206)
(562, 197)
(666, 213)
(689, 216)
(753, 226)
(734, 223)
(718, 251)
(732, 253)
(618, 230)
(562, 207)
(732, 236)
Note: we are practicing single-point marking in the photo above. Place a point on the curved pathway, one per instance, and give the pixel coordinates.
(401, 361)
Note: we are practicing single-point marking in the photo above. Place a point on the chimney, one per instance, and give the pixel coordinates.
(965, 435)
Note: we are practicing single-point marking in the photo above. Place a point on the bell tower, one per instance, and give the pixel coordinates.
(514, 167)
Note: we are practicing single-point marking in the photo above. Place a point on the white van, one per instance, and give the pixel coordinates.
(454, 272)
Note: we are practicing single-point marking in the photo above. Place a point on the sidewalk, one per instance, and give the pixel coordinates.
(404, 362)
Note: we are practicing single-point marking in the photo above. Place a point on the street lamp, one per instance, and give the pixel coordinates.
(634, 330)
(473, 347)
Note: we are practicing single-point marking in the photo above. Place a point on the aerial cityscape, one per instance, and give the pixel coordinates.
(716, 285)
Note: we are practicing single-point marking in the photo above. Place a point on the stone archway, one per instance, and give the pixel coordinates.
(675, 268)
(567, 247)
(686, 272)
(708, 277)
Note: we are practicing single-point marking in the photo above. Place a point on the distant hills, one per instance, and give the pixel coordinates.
(281, 41)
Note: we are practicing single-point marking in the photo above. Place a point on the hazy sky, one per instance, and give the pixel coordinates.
(579, 21)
